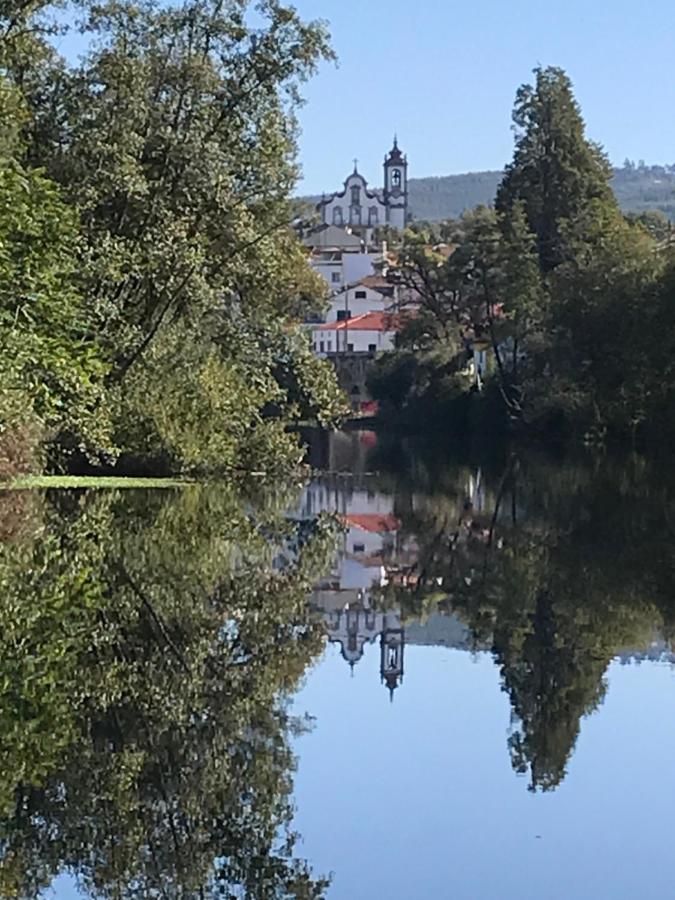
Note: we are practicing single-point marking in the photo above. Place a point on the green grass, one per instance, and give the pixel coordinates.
(31, 482)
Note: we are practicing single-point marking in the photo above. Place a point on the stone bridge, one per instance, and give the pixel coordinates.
(352, 372)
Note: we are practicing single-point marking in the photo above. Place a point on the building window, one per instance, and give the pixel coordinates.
(350, 348)
(335, 277)
(355, 215)
(359, 548)
(372, 216)
(396, 178)
(356, 195)
(321, 347)
(343, 314)
(372, 348)
(360, 295)
(337, 215)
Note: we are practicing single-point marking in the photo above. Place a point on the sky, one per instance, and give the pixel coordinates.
(443, 76)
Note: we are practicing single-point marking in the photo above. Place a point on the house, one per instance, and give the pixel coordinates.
(370, 294)
(341, 266)
(369, 333)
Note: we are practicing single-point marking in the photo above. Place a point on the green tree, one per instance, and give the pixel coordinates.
(174, 142)
(51, 370)
(556, 171)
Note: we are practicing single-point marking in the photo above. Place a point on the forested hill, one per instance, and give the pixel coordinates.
(637, 187)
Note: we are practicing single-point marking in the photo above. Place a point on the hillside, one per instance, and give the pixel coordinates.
(637, 188)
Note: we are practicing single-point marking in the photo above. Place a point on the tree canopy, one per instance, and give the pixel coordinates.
(154, 178)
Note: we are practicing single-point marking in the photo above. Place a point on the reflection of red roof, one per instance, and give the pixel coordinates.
(372, 522)
(372, 321)
(368, 438)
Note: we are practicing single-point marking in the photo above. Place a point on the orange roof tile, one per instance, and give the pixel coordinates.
(373, 522)
(371, 321)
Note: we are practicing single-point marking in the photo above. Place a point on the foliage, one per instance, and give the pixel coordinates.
(173, 143)
(565, 295)
(51, 373)
(150, 640)
(556, 172)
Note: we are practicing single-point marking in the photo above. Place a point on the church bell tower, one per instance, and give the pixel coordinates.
(392, 643)
(396, 187)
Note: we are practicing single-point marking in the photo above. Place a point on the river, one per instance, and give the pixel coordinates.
(422, 673)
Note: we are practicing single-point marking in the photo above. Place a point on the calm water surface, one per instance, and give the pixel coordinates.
(421, 674)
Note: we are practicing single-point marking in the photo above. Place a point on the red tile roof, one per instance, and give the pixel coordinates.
(373, 522)
(371, 321)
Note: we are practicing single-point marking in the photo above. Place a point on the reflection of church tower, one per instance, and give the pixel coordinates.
(396, 187)
(392, 643)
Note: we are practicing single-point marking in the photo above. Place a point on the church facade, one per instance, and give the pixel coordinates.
(357, 206)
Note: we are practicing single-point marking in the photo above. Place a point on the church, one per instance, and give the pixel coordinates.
(357, 206)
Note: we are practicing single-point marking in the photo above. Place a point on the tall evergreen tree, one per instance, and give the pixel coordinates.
(556, 171)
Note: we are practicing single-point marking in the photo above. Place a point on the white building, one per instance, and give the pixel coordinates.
(371, 333)
(359, 207)
(340, 267)
(352, 619)
(370, 294)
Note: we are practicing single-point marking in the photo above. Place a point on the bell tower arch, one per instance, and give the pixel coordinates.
(396, 187)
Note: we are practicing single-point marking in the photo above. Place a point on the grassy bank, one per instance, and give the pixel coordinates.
(91, 482)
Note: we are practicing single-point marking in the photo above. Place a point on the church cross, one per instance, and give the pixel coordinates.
(356, 165)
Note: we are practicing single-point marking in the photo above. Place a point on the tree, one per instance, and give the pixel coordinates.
(556, 171)
(51, 370)
(174, 141)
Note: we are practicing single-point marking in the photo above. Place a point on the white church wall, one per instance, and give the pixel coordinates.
(339, 208)
(356, 205)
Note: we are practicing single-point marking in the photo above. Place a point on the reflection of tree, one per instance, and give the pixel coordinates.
(148, 642)
(558, 570)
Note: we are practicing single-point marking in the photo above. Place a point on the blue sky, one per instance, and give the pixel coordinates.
(443, 75)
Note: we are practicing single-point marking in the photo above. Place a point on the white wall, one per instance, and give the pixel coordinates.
(397, 216)
(357, 306)
(397, 196)
(343, 202)
(322, 494)
(340, 268)
(360, 341)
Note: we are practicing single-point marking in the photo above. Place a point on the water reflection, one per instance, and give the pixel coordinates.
(149, 640)
(555, 568)
(152, 642)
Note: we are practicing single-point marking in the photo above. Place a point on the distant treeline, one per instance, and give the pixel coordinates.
(638, 187)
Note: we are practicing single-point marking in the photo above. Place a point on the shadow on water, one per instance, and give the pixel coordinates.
(151, 642)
